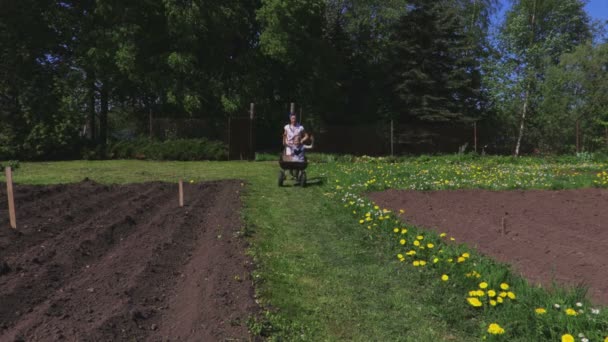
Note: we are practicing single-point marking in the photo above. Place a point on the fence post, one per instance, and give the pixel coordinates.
(392, 142)
(150, 123)
(475, 134)
(11, 198)
(577, 136)
(251, 115)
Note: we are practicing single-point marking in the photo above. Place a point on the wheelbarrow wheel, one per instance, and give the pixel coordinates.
(303, 179)
(281, 177)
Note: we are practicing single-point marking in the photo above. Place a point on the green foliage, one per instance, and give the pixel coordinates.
(180, 149)
(13, 164)
(574, 90)
(532, 37)
(433, 75)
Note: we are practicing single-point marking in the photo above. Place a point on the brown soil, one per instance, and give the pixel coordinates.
(547, 235)
(93, 262)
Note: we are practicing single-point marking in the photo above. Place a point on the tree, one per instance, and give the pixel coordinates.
(573, 99)
(533, 36)
(36, 119)
(432, 73)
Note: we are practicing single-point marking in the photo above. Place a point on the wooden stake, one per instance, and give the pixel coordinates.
(181, 193)
(11, 199)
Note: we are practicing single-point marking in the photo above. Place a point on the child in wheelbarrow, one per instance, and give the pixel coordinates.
(298, 149)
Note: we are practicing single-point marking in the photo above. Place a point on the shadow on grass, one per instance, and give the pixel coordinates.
(315, 181)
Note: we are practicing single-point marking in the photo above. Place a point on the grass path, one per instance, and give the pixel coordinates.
(322, 276)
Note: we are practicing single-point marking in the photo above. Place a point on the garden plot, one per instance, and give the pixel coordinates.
(93, 262)
(545, 235)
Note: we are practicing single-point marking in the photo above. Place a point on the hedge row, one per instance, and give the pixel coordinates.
(180, 149)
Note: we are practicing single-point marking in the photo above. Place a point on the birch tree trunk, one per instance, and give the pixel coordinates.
(527, 93)
(523, 120)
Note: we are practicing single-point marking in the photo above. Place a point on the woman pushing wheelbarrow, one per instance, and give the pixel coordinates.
(293, 157)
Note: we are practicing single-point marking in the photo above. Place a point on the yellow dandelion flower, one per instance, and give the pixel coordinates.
(416, 263)
(452, 239)
(422, 262)
(420, 237)
(511, 295)
(399, 255)
(474, 301)
(503, 294)
(430, 245)
(450, 260)
(376, 207)
(410, 253)
(495, 329)
(436, 260)
(483, 285)
(416, 243)
(401, 211)
(442, 235)
(493, 302)
(445, 277)
(567, 338)
(466, 255)
(368, 214)
(606, 339)
(402, 241)
(403, 231)
(504, 286)
(461, 259)
(571, 312)
(480, 293)
(491, 293)
(540, 311)
(361, 221)
(396, 230)
(499, 300)
(472, 293)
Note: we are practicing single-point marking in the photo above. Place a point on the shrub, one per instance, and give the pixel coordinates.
(14, 164)
(179, 149)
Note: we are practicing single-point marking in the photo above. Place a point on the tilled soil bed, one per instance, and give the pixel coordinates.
(92, 262)
(545, 235)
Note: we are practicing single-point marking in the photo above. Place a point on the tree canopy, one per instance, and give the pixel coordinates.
(73, 73)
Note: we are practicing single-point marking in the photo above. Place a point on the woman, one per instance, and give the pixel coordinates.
(292, 130)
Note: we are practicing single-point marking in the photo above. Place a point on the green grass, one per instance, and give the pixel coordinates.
(322, 276)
